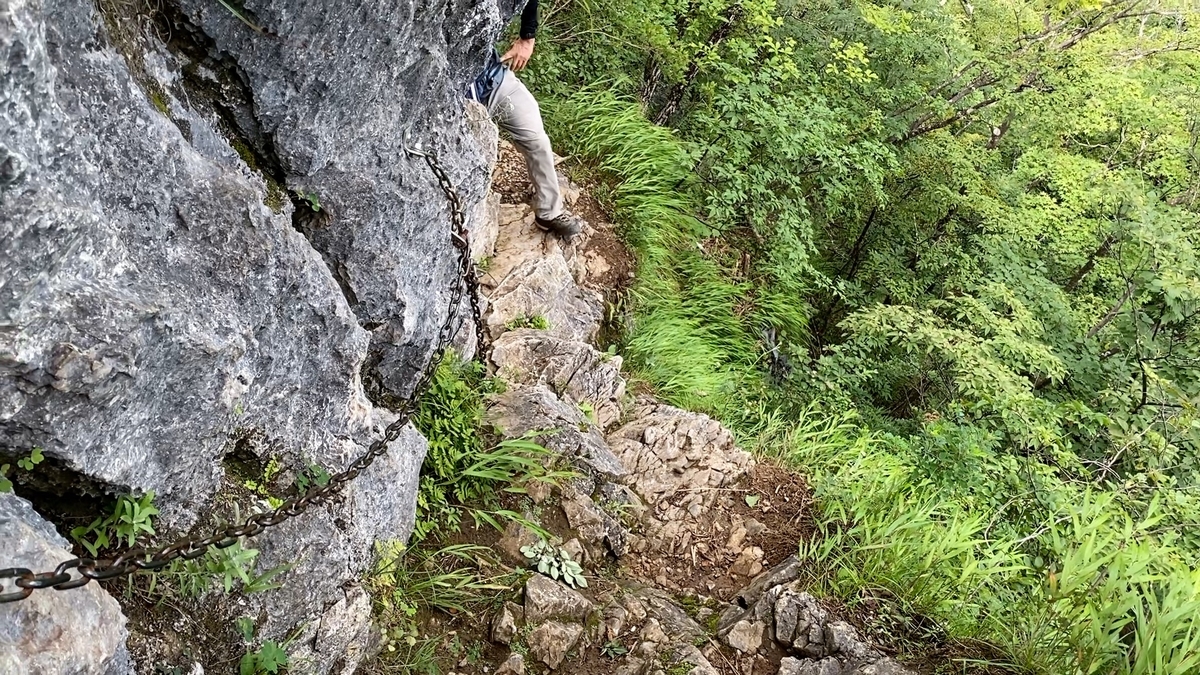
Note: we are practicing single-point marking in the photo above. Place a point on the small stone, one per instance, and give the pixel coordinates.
(748, 563)
(575, 549)
(653, 632)
(631, 665)
(514, 665)
(635, 608)
(843, 640)
(794, 666)
(538, 491)
(550, 642)
(504, 627)
(736, 538)
(614, 620)
(745, 636)
(754, 528)
(800, 621)
(516, 536)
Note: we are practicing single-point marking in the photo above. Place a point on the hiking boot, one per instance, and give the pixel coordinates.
(564, 225)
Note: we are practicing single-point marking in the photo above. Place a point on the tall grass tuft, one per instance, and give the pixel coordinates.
(1089, 589)
(697, 333)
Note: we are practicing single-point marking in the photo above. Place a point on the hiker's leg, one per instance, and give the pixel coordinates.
(517, 112)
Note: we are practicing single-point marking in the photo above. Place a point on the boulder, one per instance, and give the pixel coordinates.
(149, 292)
(333, 104)
(524, 409)
(74, 631)
(545, 288)
(575, 371)
(549, 599)
(550, 642)
(170, 289)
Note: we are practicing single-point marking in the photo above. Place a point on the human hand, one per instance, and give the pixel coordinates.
(519, 54)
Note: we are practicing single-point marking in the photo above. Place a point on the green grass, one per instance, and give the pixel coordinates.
(1085, 584)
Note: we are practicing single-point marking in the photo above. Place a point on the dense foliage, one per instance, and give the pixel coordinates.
(942, 255)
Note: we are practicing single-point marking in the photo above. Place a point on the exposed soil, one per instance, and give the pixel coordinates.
(781, 501)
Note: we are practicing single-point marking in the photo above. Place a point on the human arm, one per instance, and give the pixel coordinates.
(521, 51)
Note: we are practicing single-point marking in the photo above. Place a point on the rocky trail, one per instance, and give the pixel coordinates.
(686, 541)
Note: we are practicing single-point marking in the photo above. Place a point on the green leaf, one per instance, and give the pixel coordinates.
(271, 658)
(752, 500)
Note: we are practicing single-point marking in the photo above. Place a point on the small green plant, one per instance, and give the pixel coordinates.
(588, 410)
(555, 563)
(269, 472)
(462, 474)
(27, 463)
(313, 475)
(226, 567)
(35, 457)
(310, 198)
(535, 321)
(229, 568)
(131, 518)
(269, 658)
(613, 649)
(236, 10)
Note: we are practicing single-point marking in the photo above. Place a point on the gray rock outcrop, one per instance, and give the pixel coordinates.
(93, 642)
(574, 370)
(221, 238)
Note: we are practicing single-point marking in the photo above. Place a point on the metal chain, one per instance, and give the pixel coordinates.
(469, 273)
(191, 547)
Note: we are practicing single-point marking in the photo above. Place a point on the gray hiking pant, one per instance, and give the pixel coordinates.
(516, 111)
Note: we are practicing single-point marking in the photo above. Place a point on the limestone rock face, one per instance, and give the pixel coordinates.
(93, 642)
(222, 239)
(339, 91)
(574, 370)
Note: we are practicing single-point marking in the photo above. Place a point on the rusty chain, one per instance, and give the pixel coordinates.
(191, 547)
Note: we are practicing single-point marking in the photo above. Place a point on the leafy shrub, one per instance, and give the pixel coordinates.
(131, 518)
(462, 475)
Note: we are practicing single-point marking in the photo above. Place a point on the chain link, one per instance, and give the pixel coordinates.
(25, 581)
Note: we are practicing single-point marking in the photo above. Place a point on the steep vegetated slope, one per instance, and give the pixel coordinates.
(942, 257)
